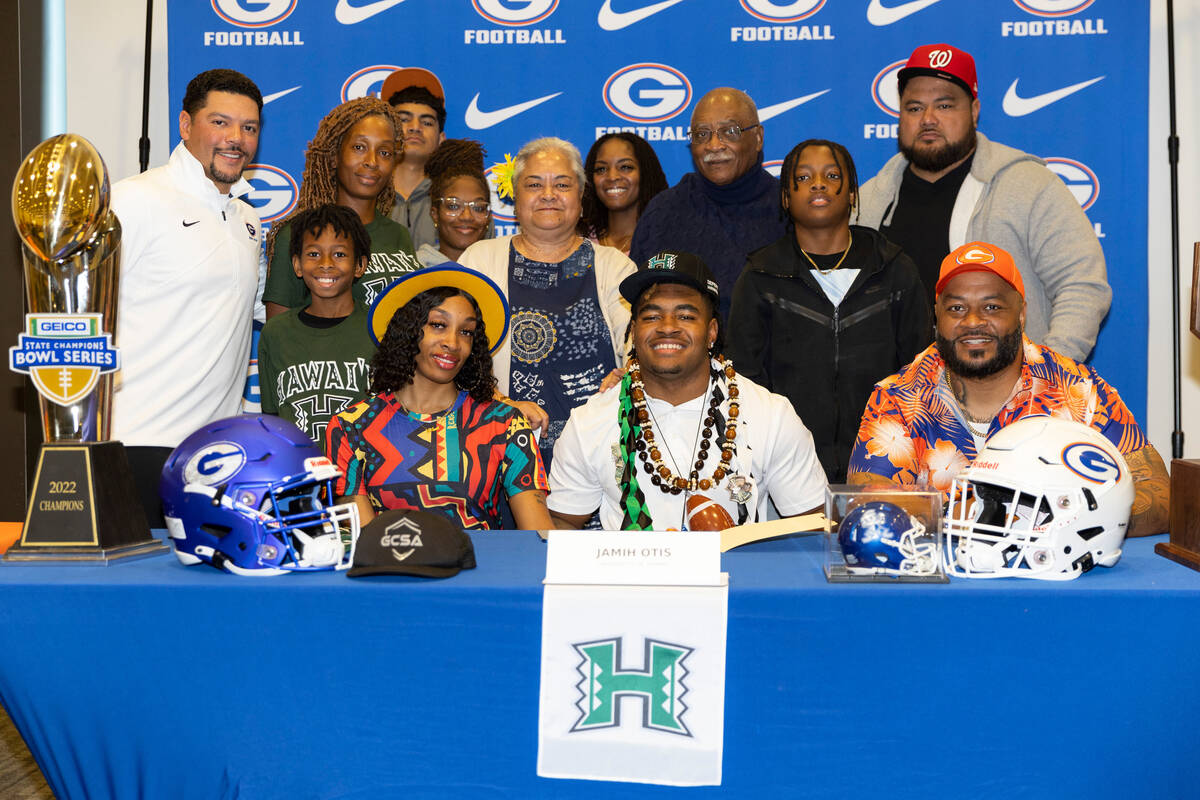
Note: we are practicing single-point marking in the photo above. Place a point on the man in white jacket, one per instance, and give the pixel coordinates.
(950, 185)
(190, 267)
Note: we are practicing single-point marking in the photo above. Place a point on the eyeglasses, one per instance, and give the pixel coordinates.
(452, 206)
(728, 134)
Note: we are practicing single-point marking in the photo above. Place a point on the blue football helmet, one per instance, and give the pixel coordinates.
(253, 495)
(879, 538)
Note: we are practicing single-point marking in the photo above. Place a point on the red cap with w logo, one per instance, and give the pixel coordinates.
(941, 61)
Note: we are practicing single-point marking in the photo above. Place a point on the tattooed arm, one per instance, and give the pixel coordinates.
(1151, 486)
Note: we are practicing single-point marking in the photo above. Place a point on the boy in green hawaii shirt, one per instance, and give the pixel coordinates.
(313, 360)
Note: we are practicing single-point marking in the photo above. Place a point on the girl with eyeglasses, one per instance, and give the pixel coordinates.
(461, 207)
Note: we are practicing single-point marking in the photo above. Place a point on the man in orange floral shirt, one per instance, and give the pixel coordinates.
(926, 423)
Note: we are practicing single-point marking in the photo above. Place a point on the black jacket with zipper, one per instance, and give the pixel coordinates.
(785, 334)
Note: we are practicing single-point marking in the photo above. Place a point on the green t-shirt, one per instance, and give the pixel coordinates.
(391, 256)
(309, 374)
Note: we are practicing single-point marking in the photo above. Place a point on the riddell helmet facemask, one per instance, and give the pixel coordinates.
(252, 495)
(880, 538)
(1046, 498)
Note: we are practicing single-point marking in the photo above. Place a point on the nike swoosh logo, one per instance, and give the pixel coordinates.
(348, 14)
(879, 15)
(767, 112)
(187, 224)
(278, 95)
(478, 120)
(611, 20)
(1016, 106)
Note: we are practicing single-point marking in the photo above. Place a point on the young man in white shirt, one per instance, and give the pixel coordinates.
(683, 428)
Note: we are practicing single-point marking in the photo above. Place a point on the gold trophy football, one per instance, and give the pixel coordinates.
(83, 505)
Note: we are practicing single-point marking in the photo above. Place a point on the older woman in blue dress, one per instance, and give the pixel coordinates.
(568, 318)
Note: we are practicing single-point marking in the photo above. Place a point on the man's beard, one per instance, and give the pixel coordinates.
(936, 159)
(222, 175)
(1008, 348)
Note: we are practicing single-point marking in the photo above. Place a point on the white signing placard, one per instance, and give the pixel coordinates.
(645, 558)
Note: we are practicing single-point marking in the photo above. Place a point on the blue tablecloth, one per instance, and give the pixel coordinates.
(150, 679)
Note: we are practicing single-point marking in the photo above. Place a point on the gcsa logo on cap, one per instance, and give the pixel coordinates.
(647, 92)
(514, 12)
(367, 82)
(1053, 8)
(1090, 463)
(253, 13)
(402, 533)
(1078, 177)
(976, 255)
(885, 89)
(214, 464)
(274, 191)
(769, 11)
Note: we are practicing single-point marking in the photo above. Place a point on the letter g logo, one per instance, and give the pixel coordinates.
(214, 464)
(1090, 463)
(514, 12)
(253, 13)
(976, 255)
(647, 92)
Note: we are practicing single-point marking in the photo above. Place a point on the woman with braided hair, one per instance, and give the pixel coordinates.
(461, 201)
(349, 162)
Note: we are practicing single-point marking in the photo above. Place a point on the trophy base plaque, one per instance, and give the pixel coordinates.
(84, 508)
(1184, 546)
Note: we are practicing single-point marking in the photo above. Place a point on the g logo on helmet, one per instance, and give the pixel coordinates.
(625, 96)
(366, 82)
(786, 12)
(274, 193)
(976, 255)
(1090, 463)
(253, 13)
(885, 89)
(1053, 8)
(215, 464)
(938, 59)
(528, 12)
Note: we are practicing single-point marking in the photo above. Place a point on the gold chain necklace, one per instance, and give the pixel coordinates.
(971, 421)
(845, 253)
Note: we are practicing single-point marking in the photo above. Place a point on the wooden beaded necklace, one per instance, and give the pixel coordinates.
(660, 474)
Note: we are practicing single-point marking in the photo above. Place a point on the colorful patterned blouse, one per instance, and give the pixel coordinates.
(455, 463)
(909, 433)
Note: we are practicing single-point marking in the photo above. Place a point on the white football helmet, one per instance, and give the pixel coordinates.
(1045, 498)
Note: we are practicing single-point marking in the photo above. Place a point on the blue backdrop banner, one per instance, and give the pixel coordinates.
(1051, 73)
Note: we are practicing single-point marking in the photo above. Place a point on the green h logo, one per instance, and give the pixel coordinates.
(659, 685)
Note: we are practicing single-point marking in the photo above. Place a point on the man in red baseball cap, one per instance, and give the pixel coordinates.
(925, 424)
(950, 184)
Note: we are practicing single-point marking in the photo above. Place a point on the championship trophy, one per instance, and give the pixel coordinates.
(83, 506)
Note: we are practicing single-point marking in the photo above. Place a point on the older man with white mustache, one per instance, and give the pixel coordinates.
(728, 207)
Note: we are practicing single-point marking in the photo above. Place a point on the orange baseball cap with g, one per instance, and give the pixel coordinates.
(980, 257)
